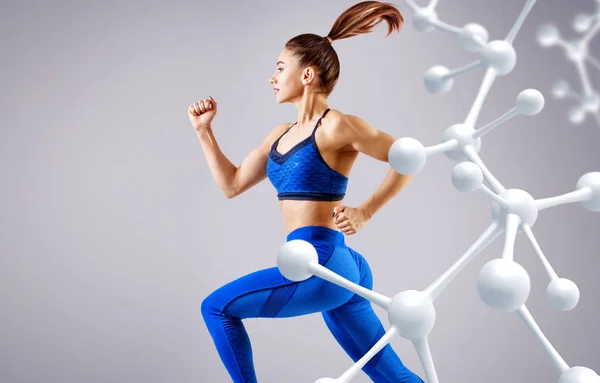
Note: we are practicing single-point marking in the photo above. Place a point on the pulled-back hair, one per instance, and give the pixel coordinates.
(314, 50)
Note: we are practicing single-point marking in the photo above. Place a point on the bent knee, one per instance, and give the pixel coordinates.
(211, 306)
(205, 307)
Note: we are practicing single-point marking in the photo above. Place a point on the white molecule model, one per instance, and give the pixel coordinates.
(502, 284)
(577, 52)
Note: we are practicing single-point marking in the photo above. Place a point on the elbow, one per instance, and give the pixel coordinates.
(229, 193)
(231, 190)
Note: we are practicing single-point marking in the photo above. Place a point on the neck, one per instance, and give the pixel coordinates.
(311, 107)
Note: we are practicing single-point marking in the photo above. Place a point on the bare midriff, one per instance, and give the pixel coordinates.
(307, 213)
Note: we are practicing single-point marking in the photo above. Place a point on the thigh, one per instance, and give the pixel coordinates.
(356, 316)
(245, 296)
(268, 294)
(316, 294)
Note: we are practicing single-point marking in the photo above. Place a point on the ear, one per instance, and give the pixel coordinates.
(308, 75)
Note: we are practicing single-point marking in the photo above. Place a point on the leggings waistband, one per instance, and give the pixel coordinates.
(317, 234)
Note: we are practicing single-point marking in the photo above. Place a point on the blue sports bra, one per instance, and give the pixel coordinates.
(302, 174)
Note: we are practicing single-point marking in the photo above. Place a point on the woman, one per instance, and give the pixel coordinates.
(308, 162)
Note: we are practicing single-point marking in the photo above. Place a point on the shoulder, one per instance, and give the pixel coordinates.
(335, 118)
(340, 120)
(334, 123)
(338, 130)
(354, 133)
(348, 124)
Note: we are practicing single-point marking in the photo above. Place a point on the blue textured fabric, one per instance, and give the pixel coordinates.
(268, 294)
(303, 174)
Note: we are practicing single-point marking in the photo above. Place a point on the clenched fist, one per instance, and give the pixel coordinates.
(202, 112)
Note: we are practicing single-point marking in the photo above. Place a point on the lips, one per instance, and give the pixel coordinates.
(275, 90)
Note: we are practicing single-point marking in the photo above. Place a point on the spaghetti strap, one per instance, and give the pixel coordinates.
(319, 121)
(288, 129)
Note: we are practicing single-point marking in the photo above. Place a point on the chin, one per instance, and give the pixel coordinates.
(281, 98)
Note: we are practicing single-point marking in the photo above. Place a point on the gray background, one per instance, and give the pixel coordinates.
(113, 230)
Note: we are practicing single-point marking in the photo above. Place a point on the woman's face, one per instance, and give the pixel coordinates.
(287, 80)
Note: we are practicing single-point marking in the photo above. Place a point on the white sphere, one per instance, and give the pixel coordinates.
(412, 312)
(503, 285)
(520, 203)
(327, 380)
(500, 55)
(422, 19)
(591, 103)
(562, 294)
(590, 180)
(560, 89)
(467, 177)
(579, 374)
(548, 35)
(464, 135)
(576, 114)
(435, 80)
(294, 257)
(582, 22)
(576, 50)
(472, 36)
(530, 102)
(407, 156)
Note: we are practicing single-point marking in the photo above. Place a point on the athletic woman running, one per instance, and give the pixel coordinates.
(308, 163)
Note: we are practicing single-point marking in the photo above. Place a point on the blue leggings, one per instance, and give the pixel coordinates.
(268, 294)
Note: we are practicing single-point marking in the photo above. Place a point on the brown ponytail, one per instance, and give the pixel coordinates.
(317, 51)
(363, 17)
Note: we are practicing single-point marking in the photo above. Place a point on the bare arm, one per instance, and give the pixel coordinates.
(375, 143)
(234, 180)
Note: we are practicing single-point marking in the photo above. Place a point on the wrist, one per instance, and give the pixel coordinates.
(202, 129)
(367, 209)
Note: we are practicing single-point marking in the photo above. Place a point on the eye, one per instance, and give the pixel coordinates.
(279, 69)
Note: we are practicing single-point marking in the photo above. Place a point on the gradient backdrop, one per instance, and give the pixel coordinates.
(113, 230)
